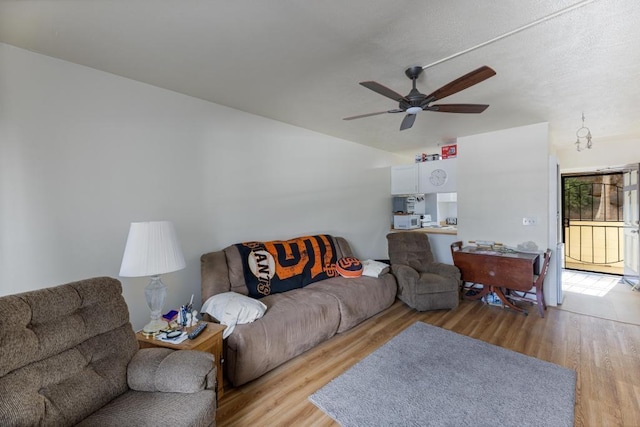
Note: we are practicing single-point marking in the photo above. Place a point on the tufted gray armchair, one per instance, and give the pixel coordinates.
(69, 356)
(423, 284)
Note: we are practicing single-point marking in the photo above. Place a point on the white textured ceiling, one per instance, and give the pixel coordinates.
(300, 62)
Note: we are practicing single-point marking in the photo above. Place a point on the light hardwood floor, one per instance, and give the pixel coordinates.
(604, 353)
(600, 295)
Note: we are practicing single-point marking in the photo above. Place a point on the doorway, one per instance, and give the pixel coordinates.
(600, 228)
(593, 222)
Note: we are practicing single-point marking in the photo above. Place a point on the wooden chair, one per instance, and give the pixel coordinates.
(535, 295)
(455, 247)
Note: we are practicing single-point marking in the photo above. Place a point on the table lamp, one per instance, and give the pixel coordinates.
(152, 249)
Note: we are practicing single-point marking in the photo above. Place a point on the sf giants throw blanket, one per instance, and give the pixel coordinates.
(279, 266)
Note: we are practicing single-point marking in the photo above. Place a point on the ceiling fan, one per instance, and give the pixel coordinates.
(415, 101)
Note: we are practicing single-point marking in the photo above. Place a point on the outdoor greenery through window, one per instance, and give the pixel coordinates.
(595, 198)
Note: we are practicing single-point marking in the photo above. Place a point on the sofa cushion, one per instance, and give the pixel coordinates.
(411, 249)
(349, 267)
(140, 408)
(294, 322)
(235, 270)
(67, 387)
(359, 298)
(167, 370)
(38, 324)
(429, 283)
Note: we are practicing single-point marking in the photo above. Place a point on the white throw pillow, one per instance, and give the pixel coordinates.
(374, 268)
(231, 309)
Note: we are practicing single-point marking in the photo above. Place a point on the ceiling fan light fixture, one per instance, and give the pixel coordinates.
(413, 110)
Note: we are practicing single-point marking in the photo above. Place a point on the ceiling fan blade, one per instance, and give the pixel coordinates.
(372, 114)
(461, 83)
(459, 108)
(407, 122)
(383, 90)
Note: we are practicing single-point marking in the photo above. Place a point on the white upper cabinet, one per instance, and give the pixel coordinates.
(404, 179)
(437, 176)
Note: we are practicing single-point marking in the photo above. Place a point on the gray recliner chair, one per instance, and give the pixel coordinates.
(69, 356)
(423, 284)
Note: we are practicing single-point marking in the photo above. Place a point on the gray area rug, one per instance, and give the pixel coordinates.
(428, 376)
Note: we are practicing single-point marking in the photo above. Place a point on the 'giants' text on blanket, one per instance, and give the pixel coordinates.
(279, 266)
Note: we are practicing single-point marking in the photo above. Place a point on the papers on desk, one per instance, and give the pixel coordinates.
(486, 252)
(177, 340)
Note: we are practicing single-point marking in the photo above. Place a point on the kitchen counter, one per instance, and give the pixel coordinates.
(431, 230)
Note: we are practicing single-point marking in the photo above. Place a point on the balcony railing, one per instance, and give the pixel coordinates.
(594, 246)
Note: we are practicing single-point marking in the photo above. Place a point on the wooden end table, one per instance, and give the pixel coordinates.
(209, 340)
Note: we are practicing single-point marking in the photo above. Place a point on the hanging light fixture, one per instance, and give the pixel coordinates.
(583, 134)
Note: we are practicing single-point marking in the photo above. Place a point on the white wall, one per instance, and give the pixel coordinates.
(83, 153)
(503, 176)
(605, 153)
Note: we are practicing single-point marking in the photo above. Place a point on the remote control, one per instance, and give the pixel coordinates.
(197, 331)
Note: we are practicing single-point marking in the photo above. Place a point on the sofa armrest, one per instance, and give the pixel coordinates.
(446, 270)
(172, 371)
(406, 276)
(214, 273)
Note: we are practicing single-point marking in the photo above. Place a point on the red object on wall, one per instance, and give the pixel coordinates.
(449, 151)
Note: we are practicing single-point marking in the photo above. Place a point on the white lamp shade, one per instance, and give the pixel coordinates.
(152, 249)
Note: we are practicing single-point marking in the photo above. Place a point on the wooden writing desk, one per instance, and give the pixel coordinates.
(496, 270)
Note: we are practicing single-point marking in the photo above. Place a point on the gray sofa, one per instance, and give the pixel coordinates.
(69, 356)
(296, 320)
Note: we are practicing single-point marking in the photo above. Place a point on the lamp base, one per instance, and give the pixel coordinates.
(154, 327)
